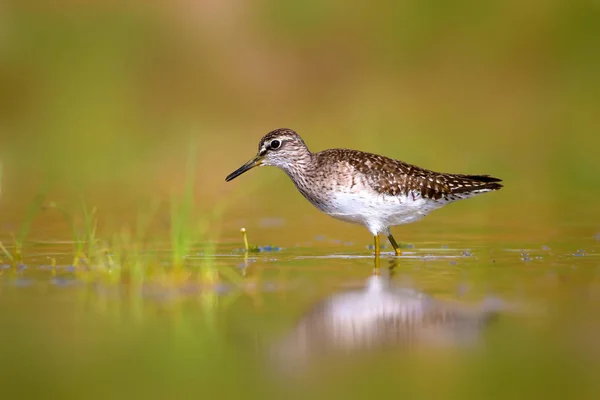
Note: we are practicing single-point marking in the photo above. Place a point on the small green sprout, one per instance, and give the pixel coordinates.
(247, 247)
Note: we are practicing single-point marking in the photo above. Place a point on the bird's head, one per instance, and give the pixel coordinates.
(282, 148)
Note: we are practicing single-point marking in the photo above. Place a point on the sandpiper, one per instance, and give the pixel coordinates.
(368, 189)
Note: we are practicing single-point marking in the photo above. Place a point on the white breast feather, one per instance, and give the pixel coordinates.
(378, 211)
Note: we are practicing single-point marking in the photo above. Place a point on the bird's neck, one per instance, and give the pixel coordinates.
(300, 168)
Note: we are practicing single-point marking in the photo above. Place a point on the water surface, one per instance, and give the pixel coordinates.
(442, 320)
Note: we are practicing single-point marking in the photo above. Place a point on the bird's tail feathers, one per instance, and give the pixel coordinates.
(473, 183)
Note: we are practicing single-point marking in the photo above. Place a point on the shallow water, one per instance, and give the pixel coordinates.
(142, 113)
(442, 320)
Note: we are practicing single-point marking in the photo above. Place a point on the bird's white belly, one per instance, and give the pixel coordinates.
(377, 211)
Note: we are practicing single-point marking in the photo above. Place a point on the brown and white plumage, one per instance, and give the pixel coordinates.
(394, 177)
(369, 189)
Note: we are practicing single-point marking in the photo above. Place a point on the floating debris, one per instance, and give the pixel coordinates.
(256, 249)
(22, 282)
(268, 248)
(525, 257)
(271, 222)
(467, 253)
(259, 249)
(545, 248)
(59, 281)
(372, 246)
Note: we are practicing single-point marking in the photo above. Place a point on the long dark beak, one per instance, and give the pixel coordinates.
(255, 162)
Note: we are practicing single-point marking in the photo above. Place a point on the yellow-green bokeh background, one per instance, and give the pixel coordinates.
(102, 97)
(107, 99)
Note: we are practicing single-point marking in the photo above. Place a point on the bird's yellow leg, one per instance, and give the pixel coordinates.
(377, 253)
(394, 245)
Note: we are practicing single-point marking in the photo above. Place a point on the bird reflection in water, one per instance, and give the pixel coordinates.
(380, 316)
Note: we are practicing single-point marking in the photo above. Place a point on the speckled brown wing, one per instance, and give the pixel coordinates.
(394, 177)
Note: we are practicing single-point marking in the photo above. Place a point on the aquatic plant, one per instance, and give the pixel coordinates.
(84, 237)
(16, 255)
(181, 214)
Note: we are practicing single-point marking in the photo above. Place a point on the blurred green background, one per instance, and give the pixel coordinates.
(102, 97)
(111, 100)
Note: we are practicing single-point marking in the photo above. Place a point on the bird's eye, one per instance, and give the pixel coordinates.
(275, 144)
